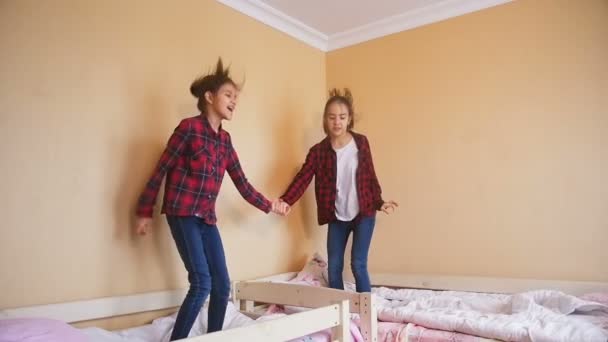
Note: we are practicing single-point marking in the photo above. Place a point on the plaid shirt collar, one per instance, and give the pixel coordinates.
(209, 130)
(326, 143)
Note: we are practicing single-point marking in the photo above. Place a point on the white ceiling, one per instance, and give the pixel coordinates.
(333, 24)
(335, 16)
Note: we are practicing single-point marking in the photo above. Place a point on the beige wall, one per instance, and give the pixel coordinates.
(491, 130)
(90, 92)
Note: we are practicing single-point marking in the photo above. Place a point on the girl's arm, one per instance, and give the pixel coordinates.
(242, 184)
(175, 147)
(376, 189)
(301, 180)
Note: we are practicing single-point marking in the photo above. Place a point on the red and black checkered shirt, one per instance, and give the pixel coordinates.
(321, 163)
(194, 161)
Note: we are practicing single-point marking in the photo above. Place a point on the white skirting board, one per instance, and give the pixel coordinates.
(84, 310)
(123, 305)
(484, 284)
(99, 308)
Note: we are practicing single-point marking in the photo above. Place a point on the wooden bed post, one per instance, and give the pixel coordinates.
(243, 305)
(368, 317)
(235, 298)
(341, 332)
(248, 306)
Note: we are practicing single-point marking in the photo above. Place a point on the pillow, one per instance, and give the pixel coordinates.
(38, 330)
(314, 272)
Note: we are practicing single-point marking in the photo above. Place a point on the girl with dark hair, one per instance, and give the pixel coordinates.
(347, 190)
(194, 161)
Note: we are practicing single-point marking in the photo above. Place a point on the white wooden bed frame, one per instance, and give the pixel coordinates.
(334, 316)
(330, 307)
(273, 289)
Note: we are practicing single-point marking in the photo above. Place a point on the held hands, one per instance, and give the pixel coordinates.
(143, 224)
(389, 206)
(280, 208)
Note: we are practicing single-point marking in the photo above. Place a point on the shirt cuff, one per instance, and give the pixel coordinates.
(267, 206)
(144, 212)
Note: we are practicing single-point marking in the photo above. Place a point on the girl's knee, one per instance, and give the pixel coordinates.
(358, 266)
(200, 284)
(221, 286)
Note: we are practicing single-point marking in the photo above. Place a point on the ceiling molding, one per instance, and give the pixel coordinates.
(280, 21)
(409, 20)
(397, 23)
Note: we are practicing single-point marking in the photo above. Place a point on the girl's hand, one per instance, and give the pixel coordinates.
(280, 208)
(389, 207)
(143, 224)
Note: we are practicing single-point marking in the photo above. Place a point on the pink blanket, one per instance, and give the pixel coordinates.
(408, 332)
(387, 331)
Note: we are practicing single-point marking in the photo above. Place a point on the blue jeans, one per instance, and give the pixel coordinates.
(200, 247)
(337, 236)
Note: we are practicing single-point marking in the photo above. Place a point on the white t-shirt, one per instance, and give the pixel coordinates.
(347, 201)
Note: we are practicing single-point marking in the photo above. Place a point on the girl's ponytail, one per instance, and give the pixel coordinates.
(210, 82)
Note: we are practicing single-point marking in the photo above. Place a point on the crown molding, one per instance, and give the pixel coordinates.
(280, 21)
(400, 22)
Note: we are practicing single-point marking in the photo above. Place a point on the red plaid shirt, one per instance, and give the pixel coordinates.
(194, 161)
(321, 163)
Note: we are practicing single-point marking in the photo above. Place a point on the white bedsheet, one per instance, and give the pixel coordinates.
(160, 329)
(536, 316)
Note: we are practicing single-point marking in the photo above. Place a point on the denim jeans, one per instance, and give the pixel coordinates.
(337, 237)
(200, 247)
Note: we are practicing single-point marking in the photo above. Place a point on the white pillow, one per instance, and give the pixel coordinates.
(314, 272)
